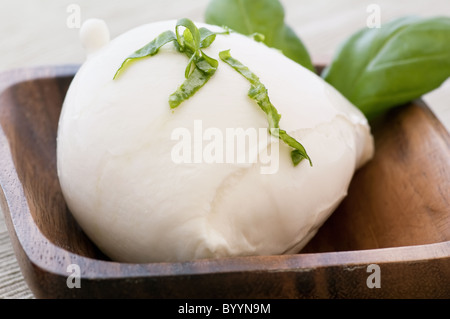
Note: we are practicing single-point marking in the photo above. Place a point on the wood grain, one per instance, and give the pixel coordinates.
(396, 216)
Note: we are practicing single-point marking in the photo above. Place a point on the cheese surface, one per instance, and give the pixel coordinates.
(118, 147)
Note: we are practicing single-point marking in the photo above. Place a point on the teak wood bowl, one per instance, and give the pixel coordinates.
(396, 216)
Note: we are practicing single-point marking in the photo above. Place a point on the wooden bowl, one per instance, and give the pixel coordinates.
(390, 238)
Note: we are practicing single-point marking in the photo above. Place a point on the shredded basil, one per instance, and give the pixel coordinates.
(200, 67)
(258, 92)
(149, 49)
(191, 85)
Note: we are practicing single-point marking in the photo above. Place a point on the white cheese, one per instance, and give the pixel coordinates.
(122, 184)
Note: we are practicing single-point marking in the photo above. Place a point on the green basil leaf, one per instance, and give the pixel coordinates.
(296, 157)
(259, 94)
(203, 62)
(189, 69)
(258, 37)
(149, 49)
(380, 68)
(192, 84)
(206, 37)
(200, 67)
(191, 41)
(264, 17)
(207, 64)
(188, 40)
(299, 152)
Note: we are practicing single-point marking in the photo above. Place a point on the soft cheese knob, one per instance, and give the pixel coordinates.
(94, 34)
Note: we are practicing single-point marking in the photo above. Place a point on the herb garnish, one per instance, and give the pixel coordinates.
(201, 68)
(258, 92)
(149, 49)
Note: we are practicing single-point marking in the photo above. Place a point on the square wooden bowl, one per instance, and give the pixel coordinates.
(396, 216)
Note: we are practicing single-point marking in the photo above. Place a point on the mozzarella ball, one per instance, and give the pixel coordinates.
(150, 184)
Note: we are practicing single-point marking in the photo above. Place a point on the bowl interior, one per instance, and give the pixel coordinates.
(400, 198)
(29, 117)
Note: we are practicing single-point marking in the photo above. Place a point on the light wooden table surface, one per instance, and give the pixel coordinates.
(36, 32)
